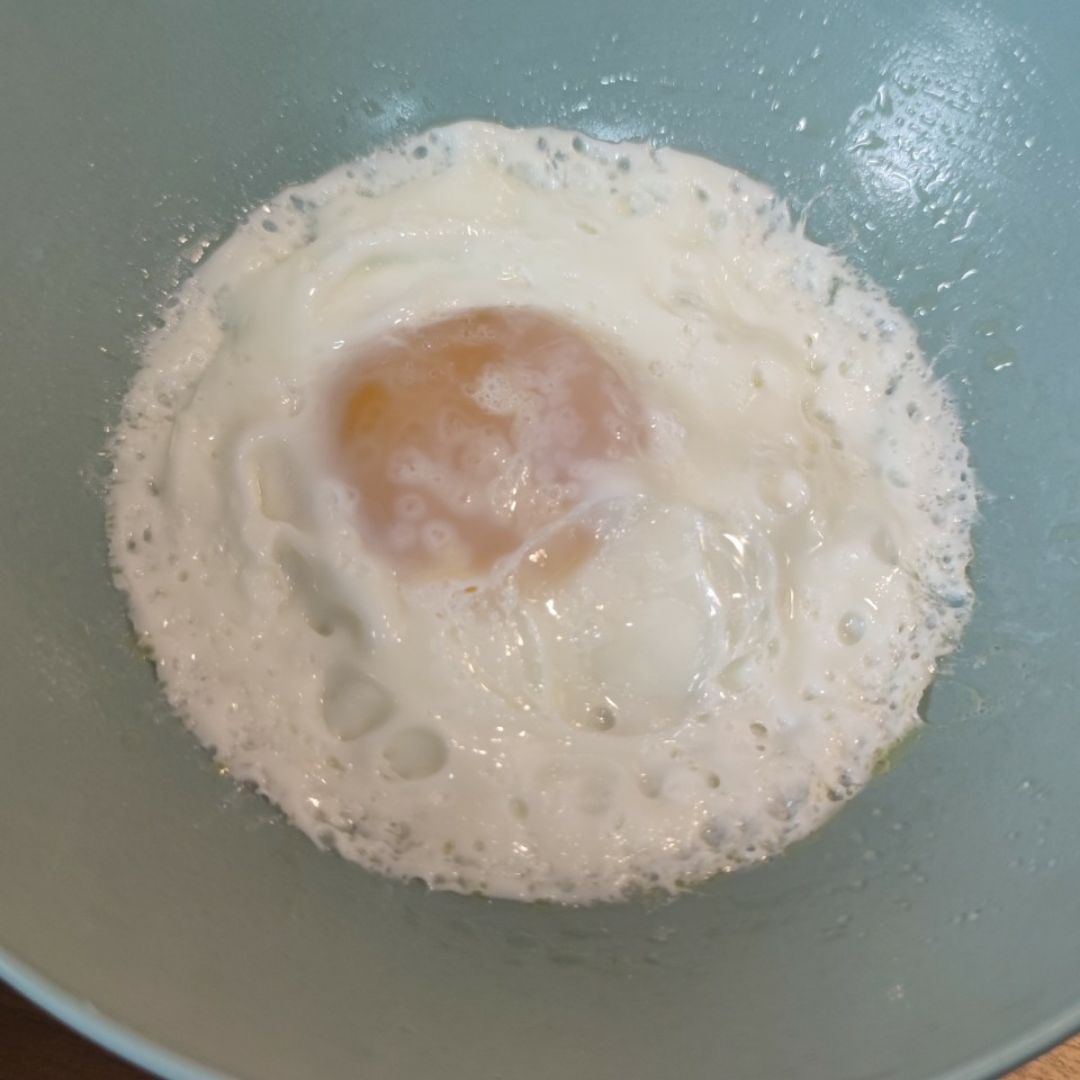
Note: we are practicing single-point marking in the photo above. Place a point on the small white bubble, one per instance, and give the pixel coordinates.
(415, 753)
(851, 628)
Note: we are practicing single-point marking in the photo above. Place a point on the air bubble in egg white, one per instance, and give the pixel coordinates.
(354, 704)
(415, 753)
(600, 718)
(884, 547)
(315, 591)
(713, 835)
(851, 628)
(280, 492)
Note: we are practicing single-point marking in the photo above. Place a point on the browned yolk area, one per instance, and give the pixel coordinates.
(468, 438)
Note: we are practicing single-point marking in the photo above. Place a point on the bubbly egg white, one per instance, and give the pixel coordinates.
(773, 581)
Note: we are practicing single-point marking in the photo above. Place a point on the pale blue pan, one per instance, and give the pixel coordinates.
(931, 930)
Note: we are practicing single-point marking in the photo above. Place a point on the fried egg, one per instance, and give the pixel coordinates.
(541, 517)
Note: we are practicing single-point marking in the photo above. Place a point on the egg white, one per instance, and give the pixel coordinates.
(775, 580)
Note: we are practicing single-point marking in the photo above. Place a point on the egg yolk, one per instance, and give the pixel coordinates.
(470, 438)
